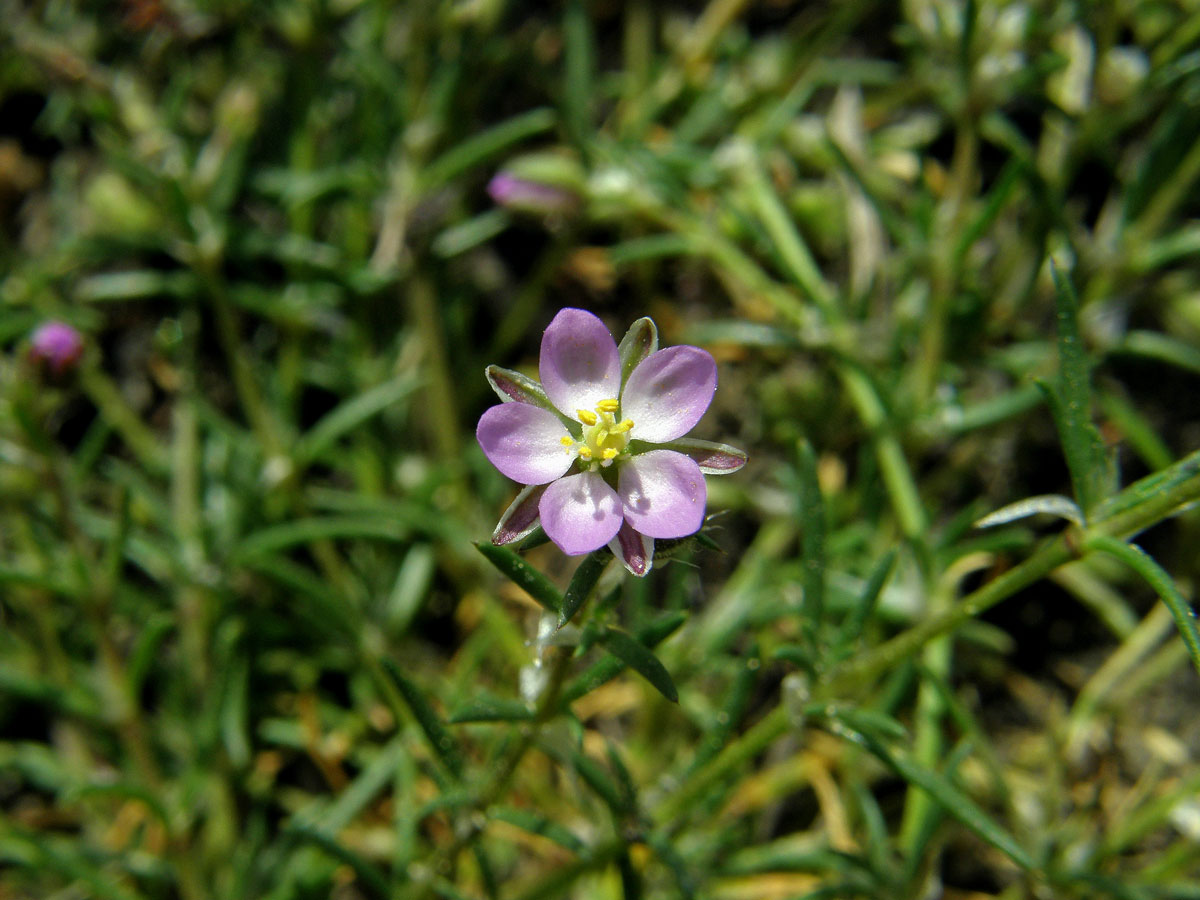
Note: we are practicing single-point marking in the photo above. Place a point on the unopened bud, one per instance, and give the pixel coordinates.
(523, 195)
(56, 345)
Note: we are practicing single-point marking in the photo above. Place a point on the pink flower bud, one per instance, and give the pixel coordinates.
(526, 195)
(57, 346)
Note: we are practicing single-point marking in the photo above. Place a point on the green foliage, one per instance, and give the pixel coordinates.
(248, 649)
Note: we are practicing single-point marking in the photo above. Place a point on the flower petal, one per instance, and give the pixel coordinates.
(663, 494)
(521, 517)
(580, 513)
(579, 364)
(668, 393)
(635, 550)
(524, 442)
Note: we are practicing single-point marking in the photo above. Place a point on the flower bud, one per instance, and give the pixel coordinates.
(56, 345)
(540, 183)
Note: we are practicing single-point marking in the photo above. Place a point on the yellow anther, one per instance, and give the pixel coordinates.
(585, 452)
(567, 441)
(621, 427)
(586, 416)
(610, 406)
(609, 453)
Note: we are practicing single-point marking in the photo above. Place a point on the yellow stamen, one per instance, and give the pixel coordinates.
(586, 416)
(609, 453)
(567, 441)
(585, 452)
(621, 427)
(609, 406)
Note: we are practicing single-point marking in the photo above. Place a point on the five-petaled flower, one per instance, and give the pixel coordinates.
(600, 445)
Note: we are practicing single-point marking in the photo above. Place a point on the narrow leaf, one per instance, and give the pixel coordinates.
(1046, 504)
(523, 575)
(812, 540)
(317, 528)
(726, 722)
(444, 746)
(624, 781)
(583, 582)
(623, 646)
(1159, 579)
(351, 414)
(492, 709)
(956, 803)
(579, 59)
(1071, 402)
(610, 667)
(852, 628)
(597, 779)
(368, 875)
(476, 150)
(534, 823)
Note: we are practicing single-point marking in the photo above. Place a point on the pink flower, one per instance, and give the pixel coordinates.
(56, 345)
(600, 442)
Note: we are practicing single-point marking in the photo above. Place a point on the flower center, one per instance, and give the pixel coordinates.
(604, 438)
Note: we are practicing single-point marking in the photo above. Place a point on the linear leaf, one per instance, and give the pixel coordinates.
(812, 540)
(635, 655)
(527, 820)
(1162, 582)
(956, 803)
(492, 709)
(317, 528)
(597, 779)
(583, 582)
(444, 746)
(476, 150)
(1046, 504)
(368, 874)
(726, 722)
(610, 667)
(352, 413)
(1070, 401)
(852, 627)
(523, 575)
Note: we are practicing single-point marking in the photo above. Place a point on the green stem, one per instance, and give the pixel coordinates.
(472, 825)
(254, 406)
(1136, 508)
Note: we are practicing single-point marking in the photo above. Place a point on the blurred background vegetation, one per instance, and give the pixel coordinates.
(248, 648)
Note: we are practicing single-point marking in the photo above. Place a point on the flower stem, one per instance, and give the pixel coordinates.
(1135, 509)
